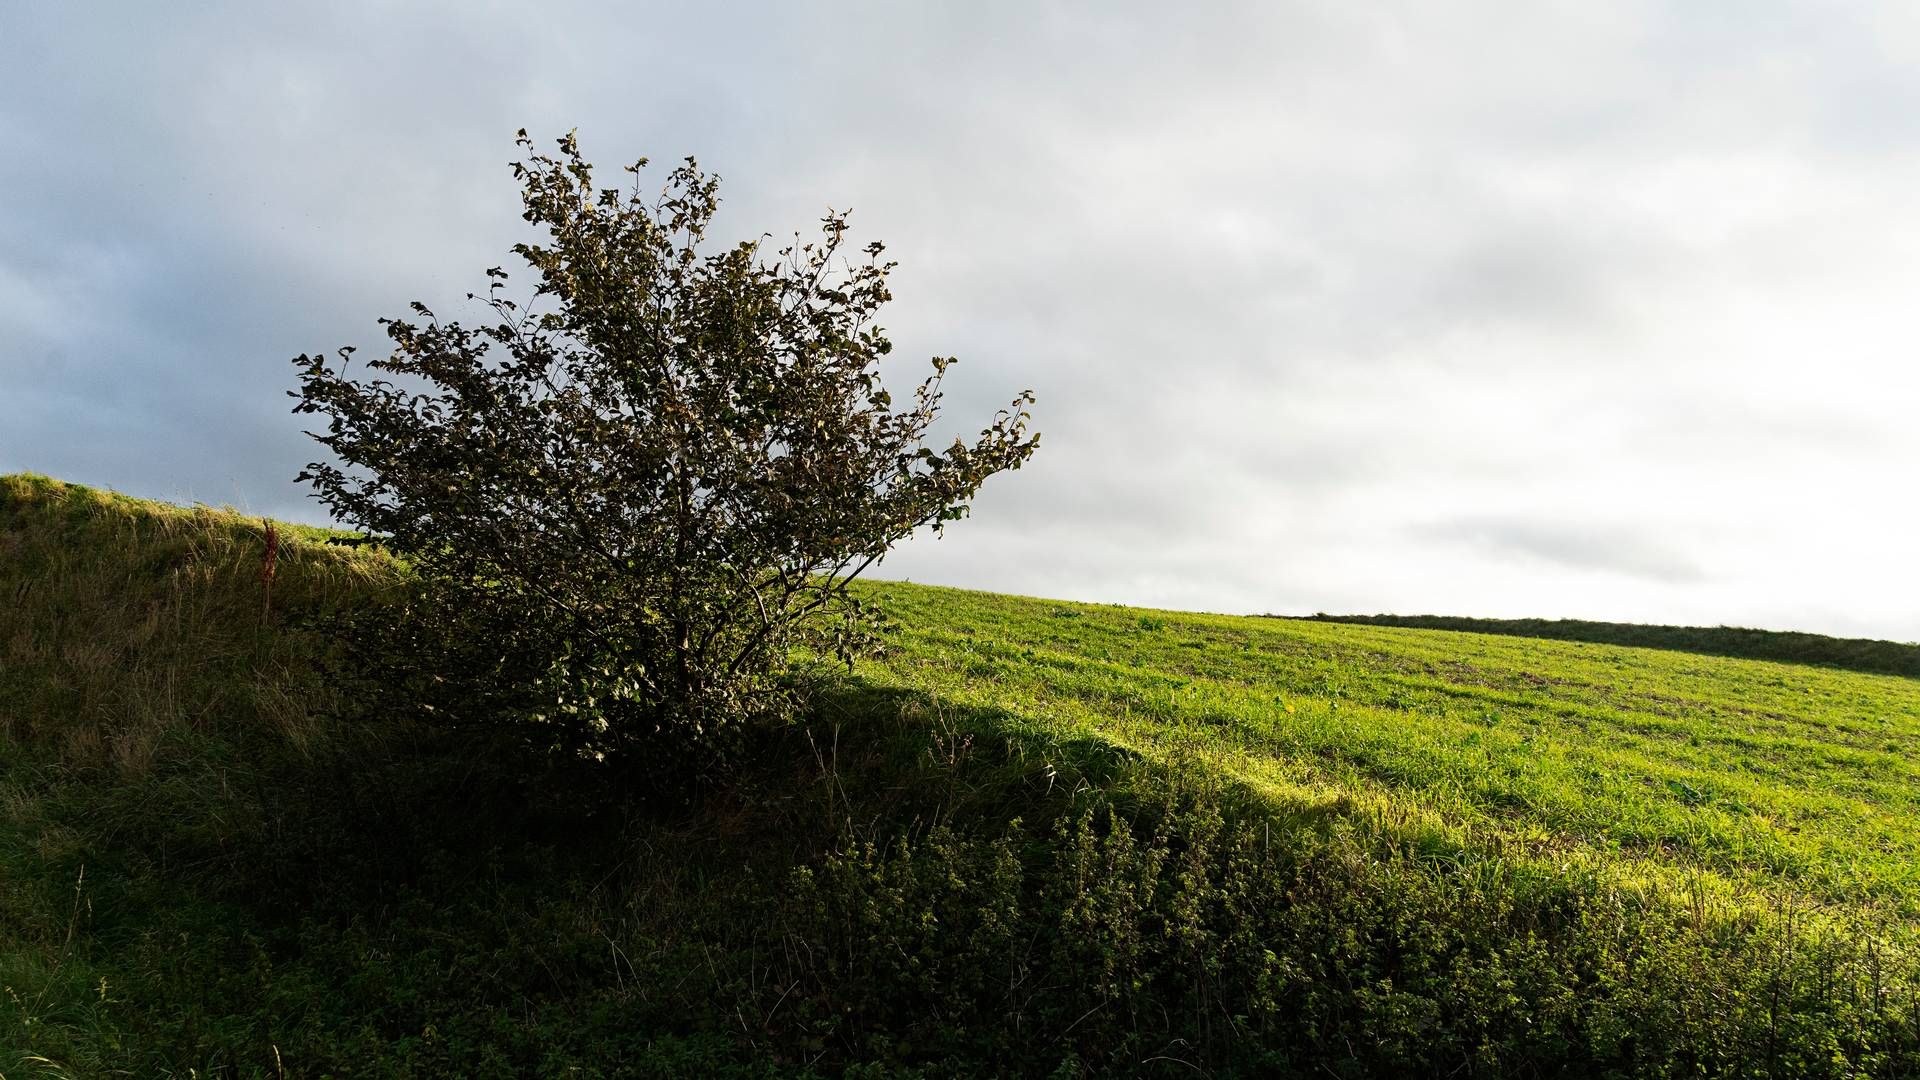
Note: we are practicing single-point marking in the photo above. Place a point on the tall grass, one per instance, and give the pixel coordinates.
(129, 625)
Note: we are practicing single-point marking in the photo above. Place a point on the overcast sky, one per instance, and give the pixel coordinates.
(1556, 309)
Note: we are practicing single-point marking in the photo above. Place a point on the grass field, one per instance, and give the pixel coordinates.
(1668, 766)
(1035, 838)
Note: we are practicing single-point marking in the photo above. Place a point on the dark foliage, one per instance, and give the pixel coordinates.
(1785, 646)
(626, 503)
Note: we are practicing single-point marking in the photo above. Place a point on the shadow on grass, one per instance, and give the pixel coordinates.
(378, 814)
(383, 815)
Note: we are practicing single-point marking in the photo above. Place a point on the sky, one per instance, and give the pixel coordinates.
(1551, 309)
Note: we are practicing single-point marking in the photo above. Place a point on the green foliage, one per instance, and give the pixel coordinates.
(1174, 937)
(625, 504)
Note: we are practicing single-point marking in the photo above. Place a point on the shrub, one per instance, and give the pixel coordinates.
(626, 502)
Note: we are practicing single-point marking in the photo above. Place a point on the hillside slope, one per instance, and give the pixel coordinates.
(1759, 776)
(1036, 838)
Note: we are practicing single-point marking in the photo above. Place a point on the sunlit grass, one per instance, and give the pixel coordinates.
(1772, 778)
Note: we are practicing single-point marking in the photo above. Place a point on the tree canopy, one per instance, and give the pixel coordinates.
(628, 499)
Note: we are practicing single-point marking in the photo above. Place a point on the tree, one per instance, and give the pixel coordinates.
(626, 502)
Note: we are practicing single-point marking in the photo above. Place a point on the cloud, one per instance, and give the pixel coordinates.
(1328, 306)
(1612, 548)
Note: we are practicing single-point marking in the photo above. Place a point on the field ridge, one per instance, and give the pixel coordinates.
(1784, 646)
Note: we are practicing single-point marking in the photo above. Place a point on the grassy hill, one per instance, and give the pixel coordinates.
(1036, 837)
(1742, 777)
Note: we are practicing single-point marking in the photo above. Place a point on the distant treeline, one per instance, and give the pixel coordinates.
(1853, 654)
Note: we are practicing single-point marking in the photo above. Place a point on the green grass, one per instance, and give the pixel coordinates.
(127, 624)
(1036, 838)
(1766, 780)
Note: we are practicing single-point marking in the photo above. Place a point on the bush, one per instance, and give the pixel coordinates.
(626, 503)
(1181, 937)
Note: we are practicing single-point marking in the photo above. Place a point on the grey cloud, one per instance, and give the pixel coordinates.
(1314, 294)
(1604, 547)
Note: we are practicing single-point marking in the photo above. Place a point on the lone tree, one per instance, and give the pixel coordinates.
(627, 501)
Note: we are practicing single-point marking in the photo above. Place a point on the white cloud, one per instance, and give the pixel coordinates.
(1567, 309)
